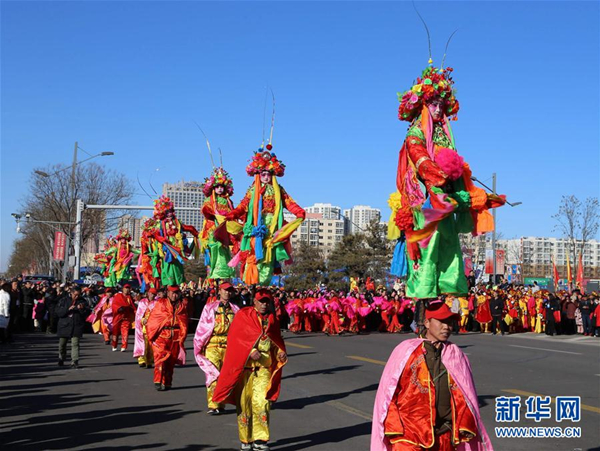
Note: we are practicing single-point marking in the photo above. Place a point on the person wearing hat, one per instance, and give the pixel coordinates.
(141, 348)
(210, 340)
(123, 309)
(250, 377)
(167, 329)
(426, 397)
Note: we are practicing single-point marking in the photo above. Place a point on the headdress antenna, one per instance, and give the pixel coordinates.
(426, 29)
(446, 49)
(272, 118)
(207, 144)
(264, 117)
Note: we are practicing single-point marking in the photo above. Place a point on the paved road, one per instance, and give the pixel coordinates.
(326, 402)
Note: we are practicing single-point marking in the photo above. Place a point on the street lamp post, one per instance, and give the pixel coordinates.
(72, 198)
(512, 204)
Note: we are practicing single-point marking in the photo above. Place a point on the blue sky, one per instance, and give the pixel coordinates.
(132, 77)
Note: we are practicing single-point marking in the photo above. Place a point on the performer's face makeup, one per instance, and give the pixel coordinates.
(266, 177)
(436, 108)
(438, 330)
(219, 190)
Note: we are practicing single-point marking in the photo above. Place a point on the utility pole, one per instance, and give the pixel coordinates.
(72, 196)
(494, 231)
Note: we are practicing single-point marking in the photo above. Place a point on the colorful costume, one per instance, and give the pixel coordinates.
(251, 385)
(119, 256)
(404, 416)
(265, 244)
(175, 247)
(167, 330)
(142, 349)
(214, 210)
(148, 269)
(435, 198)
(210, 343)
(123, 310)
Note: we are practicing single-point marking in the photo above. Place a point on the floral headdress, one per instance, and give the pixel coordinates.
(433, 83)
(162, 206)
(219, 176)
(264, 160)
(123, 235)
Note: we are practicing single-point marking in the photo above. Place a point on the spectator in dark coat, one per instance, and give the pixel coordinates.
(29, 292)
(72, 310)
(497, 309)
(51, 301)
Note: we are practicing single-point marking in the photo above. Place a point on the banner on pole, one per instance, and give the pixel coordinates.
(60, 241)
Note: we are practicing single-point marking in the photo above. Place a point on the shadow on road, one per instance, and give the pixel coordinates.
(322, 438)
(322, 371)
(300, 403)
(73, 430)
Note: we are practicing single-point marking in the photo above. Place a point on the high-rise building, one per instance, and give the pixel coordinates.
(327, 211)
(319, 232)
(536, 254)
(360, 216)
(187, 194)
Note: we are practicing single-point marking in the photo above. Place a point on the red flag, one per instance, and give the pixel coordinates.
(579, 279)
(555, 275)
(569, 274)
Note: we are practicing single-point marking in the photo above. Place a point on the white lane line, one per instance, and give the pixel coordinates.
(351, 410)
(546, 349)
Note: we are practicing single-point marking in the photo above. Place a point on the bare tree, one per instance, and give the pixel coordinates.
(52, 199)
(578, 222)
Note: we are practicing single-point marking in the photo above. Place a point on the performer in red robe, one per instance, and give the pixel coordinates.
(123, 309)
(167, 328)
(250, 377)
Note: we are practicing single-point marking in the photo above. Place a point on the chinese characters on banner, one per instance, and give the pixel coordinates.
(60, 241)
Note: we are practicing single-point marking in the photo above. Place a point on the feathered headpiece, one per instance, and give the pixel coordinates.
(162, 206)
(123, 235)
(264, 160)
(433, 83)
(219, 176)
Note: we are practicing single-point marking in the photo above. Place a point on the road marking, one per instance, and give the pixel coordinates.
(294, 345)
(546, 349)
(340, 406)
(526, 393)
(366, 359)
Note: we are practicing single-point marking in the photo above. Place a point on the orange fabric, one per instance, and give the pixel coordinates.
(463, 421)
(251, 270)
(411, 416)
(165, 352)
(165, 315)
(443, 442)
(123, 327)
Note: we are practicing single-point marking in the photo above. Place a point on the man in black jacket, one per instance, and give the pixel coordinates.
(497, 308)
(72, 310)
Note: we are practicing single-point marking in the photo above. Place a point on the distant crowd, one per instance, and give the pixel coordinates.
(26, 307)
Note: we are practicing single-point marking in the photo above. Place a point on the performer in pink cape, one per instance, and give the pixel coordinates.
(409, 414)
(141, 348)
(210, 341)
(107, 316)
(95, 318)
